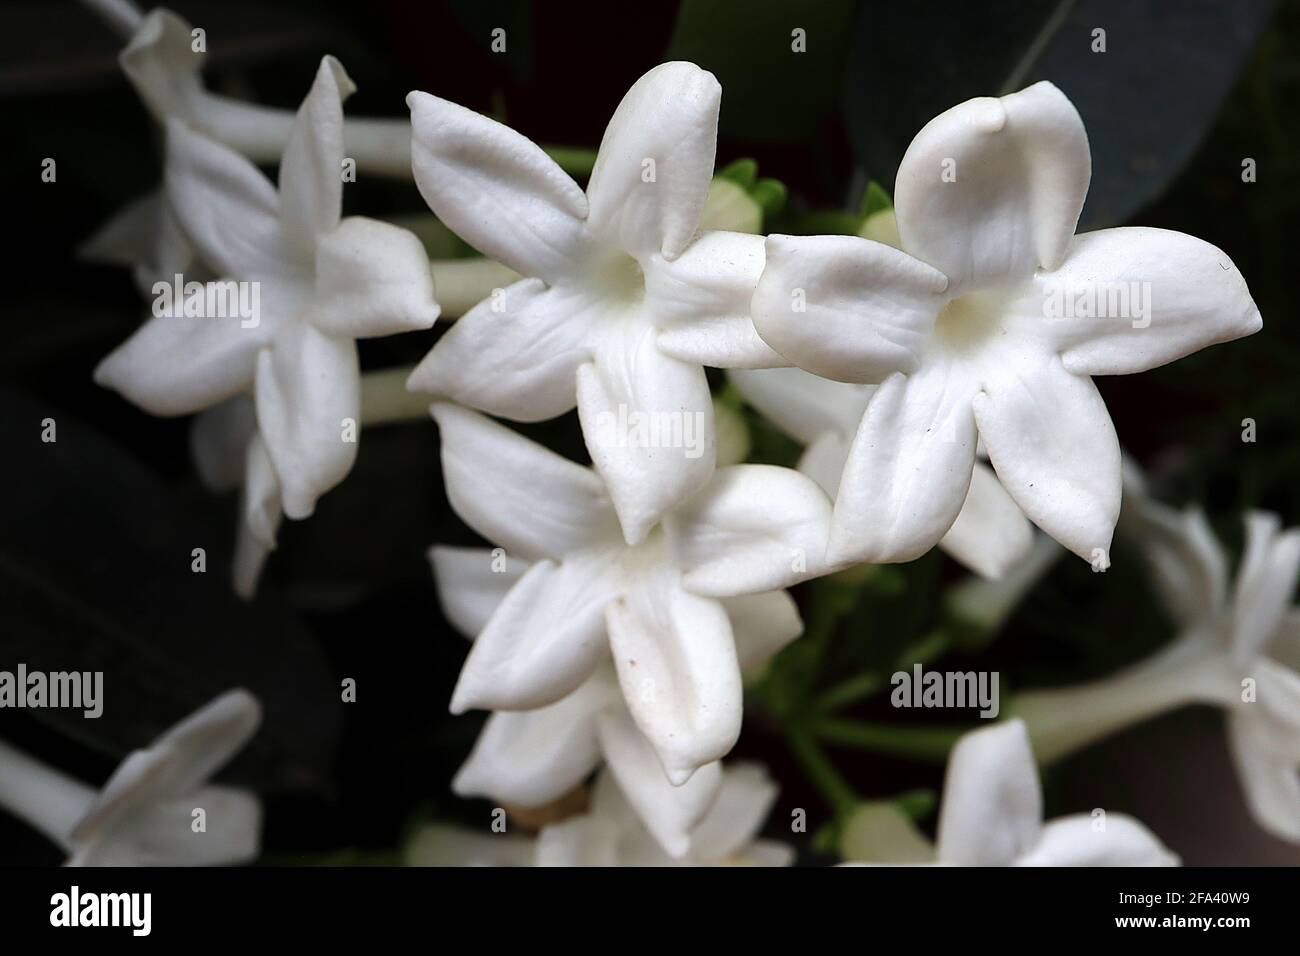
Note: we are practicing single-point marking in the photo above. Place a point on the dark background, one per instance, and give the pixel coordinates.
(96, 530)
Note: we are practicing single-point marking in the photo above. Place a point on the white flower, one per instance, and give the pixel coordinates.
(1238, 652)
(145, 237)
(657, 608)
(990, 535)
(611, 834)
(145, 814)
(321, 283)
(532, 758)
(992, 815)
(624, 301)
(979, 327)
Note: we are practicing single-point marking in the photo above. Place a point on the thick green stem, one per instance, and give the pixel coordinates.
(928, 648)
(833, 787)
(385, 400)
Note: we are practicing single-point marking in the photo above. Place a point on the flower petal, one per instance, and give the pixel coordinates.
(909, 468)
(229, 211)
(737, 814)
(531, 758)
(440, 845)
(1269, 773)
(309, 412)
(219, 440)
(1051, 440)
(311, 170)
(471, 583)
(880, 832)
(542, 641)
(1265, 583)
(1077, 841)
(992, 804)
(993, 188)
(177, 762)
(669, 812)
(260, 515)
(515, 354)
(700, 302)
(753, 528)
(655, 163)
(676, 662)
(845, 308)
(163, 66)
(178, 364)
(648, 423)
(497, 189)
(991, 534)
(1131, 299)
(372, 278)
(518, 494)
(804, 406)
(761, 625)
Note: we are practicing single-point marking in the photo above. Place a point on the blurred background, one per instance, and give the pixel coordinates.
(96, 531)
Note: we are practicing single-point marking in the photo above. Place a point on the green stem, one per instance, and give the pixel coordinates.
(928, 648)
(833, 787)
(926, 743)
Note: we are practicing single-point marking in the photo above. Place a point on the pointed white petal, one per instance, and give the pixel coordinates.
(993, 188)
(1265, 584)
(497, 189)
(1051, 440)
(700, 301)
(1130, 299)
(372, 278)
(515, 354)
(753, 528)
(669, 812)
(742, 805)
(845, 308)
(991, 534)
(531, 758)
(311, 170)
(229, 211)
(219, 441)
(648, 423)
(260, 515)
(472, 582)
(1077, 841)
(542, 641)
(163, 66)
(655, 163)
(909, 468)
(762, 624)
(992, 804)
(677, 665)
(1268, 766)
(518, 494)
(880, 832)
(309, 412)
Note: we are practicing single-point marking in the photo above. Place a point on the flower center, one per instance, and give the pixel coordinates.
(969, 321)
(620, 278)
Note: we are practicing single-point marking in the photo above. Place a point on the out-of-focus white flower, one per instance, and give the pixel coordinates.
(658, 609)
(992, 815)
(317, 283)
(532, 758)
(990, 322)
(1240, 652)
(625, 301)
(611, 833)
(145, 815)
(146, 238)
(990, 536)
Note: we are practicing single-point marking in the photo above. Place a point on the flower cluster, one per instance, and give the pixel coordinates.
(937, 368)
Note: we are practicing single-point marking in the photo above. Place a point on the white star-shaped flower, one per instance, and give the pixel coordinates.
(992, 815)
(624, 301)
(990, 322)
(144, 815)
(320, 282)
(1238, 652)
(532, 758)
(611, 833)
(655, 608)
